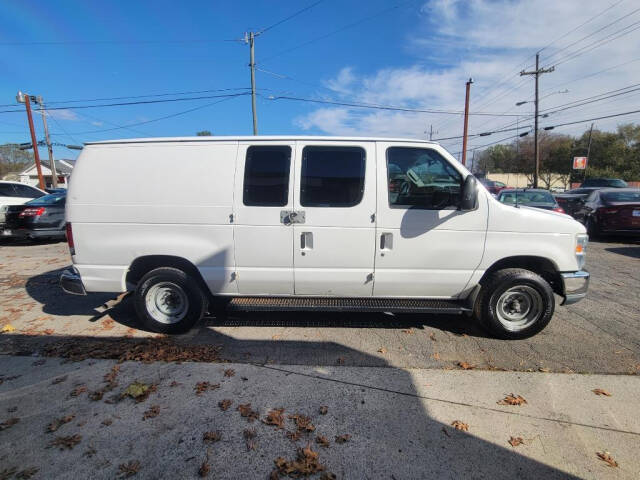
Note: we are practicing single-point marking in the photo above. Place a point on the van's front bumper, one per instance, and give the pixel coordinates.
(574, 286)
(71, 282)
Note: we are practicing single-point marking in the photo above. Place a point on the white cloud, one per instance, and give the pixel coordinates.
(63, 114)
(490, 41)
(97, 124)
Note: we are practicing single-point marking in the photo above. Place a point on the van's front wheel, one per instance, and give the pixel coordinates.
(167, 300)
(515, 303)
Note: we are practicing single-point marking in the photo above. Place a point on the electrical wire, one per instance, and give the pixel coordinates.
(280, 22)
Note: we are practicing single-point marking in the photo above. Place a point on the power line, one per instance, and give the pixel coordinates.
(280, 22)
(484, 134)
(593, 98)
(551, 127)
(109, 42)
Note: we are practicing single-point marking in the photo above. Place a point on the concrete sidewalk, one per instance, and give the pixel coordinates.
(399, 421)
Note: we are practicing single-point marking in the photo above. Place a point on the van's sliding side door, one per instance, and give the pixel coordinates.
(263, 235)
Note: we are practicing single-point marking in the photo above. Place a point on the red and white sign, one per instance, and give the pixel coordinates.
(579, 163)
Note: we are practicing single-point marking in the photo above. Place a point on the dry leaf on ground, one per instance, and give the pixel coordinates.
(606, 457)
(27, 473)
(599, 391)
(322, 441)
(515, 441)
(66, 443)
(153, 412)
(324, 410)
(432, 336)
(129, 469)
(512, 399)
(8, 328)
(458, 425)
(275, 417)
(59, 380)
(245, 411)
(225, 404)
(138, 391)
(174, 384)
(204, 469)
(58, 422)
(293, 436)
(466, 366)
(107, 422)
(436, 356)
(249, 435)
(305, 464)
(409, 331)
(229, 372)
(78, 390)
(382, 350)
(202, 387)
(328, 476)
(303, 422)
(8, 423)
(90, 452)
(343, 438)
(211, 437)
(544, 369)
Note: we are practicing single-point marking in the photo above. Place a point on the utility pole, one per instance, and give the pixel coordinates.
(588, 152)
(52, 163)
(23, 97)
(250, 39)
(431, 132)
(537, 72)
(466, 122)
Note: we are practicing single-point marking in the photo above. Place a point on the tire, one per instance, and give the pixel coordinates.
(167, 300)
(592, 229)
(514, 303)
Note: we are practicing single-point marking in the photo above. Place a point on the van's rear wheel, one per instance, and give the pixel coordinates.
(515, 303)
(167, 300)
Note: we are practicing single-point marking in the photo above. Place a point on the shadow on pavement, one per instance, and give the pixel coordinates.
(633, 252)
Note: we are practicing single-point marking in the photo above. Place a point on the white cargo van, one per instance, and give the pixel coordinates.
(311, 223)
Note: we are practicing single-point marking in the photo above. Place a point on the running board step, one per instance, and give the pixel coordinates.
(332, 304)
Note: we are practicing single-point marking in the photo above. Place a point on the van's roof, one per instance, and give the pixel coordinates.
(257, 138)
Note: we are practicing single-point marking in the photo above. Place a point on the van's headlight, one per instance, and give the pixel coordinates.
(582, 239)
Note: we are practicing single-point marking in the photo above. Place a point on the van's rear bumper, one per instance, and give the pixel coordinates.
(575, 286)
(71, 282)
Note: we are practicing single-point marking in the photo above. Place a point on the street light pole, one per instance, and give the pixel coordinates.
(52, 163)
(466, 122)
(250, 38)
(34, 142)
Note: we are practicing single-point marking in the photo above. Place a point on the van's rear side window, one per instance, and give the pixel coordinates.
(266, 176)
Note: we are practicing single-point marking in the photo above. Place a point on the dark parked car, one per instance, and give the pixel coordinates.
(530, 197)
(39, 218)
(493, 186)
(572, 200)
(604, 183)
(611, 211)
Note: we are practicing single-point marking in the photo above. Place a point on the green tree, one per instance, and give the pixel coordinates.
(204, 133)
(12, 159)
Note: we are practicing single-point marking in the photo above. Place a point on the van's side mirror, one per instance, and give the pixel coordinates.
(469, 199)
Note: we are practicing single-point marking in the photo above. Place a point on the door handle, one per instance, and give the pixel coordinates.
(306, 241)
(386, 241)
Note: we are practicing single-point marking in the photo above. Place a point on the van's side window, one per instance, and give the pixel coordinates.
(421, 178)
(332, 176)
(266, 176)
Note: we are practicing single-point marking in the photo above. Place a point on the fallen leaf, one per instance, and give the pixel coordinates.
(229, 372)
(204, 469)
(324, 410)
(512, 399)
(606, 457)
(107, 422)
(436, 356)
(599, 391)
(343, 438)
(174, 384)
(466, 366)
(96, 396)
(515, 441)
(59, 380)
(27, 473)
(211, 437)
(78, 390)
(90, 452)
(129, 469)
(202, 387)
(153, 412)
(249, 435)
(328, 476)
(8, 423)
(66, 443)
(302, 422)
(305, 464)
(293, 436)
(275, 417)
(382, 350)
(409, 331)
(432, 336)
(322, 441)
(58, 422)
(245, 411)
(138, 391)
(8, 328)
(225, 404)
(7, 473)
(458, 425)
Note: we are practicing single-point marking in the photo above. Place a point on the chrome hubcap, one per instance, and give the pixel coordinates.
(519, 307)
(167, 303)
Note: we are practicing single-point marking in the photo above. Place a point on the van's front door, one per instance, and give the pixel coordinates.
(426, 246)
(334, 218)
(262, 236)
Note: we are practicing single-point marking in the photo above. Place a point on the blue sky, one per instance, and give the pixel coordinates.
(417, 55)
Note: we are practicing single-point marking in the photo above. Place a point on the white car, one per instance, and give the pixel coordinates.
(15, 193)
(312, 223)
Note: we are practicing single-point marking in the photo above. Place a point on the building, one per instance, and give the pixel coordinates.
(63, 169)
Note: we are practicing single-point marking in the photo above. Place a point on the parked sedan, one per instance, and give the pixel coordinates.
(604, 183)
(611, 211)
(572, 200)
(39, 218)
(530, 197)
(493, 186)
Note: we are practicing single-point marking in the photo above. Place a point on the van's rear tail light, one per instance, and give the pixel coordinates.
(32, 212)
(72, 248)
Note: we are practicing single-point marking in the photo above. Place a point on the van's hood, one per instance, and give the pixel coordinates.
(530, 220)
